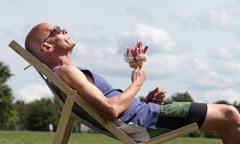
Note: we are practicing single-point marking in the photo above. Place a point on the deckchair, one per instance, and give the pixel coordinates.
(71, 100)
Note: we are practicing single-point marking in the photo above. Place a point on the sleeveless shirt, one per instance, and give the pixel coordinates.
(138, 112)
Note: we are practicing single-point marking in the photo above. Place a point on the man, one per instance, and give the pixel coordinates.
(53, 46)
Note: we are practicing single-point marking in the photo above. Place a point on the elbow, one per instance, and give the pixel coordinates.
(111, 113)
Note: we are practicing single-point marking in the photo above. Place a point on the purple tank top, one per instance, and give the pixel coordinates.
(141, 113)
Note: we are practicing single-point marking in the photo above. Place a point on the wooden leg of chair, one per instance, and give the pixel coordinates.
(66, 122)
(68, 130)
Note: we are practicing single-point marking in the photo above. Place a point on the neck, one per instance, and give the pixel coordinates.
(59, 61)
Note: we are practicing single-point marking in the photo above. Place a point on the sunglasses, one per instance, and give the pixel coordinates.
(57, 29)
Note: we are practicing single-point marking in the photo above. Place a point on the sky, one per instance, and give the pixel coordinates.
(194, 46)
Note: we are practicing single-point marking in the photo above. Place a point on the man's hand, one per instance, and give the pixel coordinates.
(156, 96)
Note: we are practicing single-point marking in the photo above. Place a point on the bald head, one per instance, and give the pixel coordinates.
(50, 44)
(35, 37)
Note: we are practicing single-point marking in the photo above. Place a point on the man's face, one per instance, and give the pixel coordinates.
(58, 37)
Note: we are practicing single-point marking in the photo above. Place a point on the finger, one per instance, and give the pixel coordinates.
(162, 91)
(156, 90)
(145, 49)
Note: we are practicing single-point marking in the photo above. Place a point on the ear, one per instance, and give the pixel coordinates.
(46, 47)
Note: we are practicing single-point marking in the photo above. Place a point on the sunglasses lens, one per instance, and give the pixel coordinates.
(58, 29)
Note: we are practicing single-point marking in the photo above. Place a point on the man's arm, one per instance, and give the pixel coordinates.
(109, 108)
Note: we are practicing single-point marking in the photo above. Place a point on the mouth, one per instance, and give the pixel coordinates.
(69, 38)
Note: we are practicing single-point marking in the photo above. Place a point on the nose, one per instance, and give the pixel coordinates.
(64, 31)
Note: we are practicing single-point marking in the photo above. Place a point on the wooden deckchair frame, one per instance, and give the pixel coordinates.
(66, 121)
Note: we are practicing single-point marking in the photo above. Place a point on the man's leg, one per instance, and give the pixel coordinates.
(225, 120)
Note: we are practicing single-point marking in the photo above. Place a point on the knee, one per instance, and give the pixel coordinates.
(231, 115)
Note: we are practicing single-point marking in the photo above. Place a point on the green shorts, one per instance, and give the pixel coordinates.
(178, 114)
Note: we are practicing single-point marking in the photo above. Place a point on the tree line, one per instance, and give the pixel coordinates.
(37, 115)
(18, 115)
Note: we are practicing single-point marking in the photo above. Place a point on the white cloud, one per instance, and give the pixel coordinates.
(140, 13)
(225, 53)
(34, 92)
(223, 19)
(95, 52)
(229, 95)
(230, 53)
(159, 38)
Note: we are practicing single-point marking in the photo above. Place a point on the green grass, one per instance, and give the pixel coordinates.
(27, 137)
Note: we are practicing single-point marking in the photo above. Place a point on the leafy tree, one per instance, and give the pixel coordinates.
(180, 97)
(22, 112)
(222, 102)
(8, 113)
(237, 105)
(211, 134)
(40, 114)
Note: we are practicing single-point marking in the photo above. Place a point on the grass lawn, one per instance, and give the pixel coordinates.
(27, 137)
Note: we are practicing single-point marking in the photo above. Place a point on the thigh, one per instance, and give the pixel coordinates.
(178, 114)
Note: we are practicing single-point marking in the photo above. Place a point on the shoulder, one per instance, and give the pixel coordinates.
(72, 76)
(66, 68)
(68, 71)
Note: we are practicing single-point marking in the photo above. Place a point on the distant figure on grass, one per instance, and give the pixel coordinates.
(50, 126)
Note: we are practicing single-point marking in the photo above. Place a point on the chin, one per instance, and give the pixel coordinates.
(74, 44)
